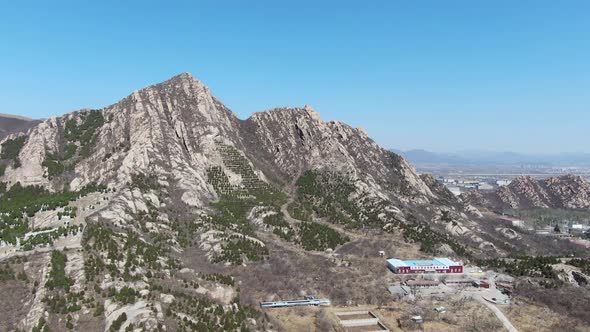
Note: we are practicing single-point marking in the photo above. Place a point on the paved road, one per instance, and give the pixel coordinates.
(481, 295)
(498, 314)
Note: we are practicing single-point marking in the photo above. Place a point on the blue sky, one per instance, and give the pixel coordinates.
(440, 75)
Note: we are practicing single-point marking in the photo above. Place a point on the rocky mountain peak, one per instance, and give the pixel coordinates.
(181, 81)
(174, 131)
(312, 113)
(522, 181)
(165, 206)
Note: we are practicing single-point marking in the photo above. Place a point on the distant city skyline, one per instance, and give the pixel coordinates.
(483, 151)
(440, 76)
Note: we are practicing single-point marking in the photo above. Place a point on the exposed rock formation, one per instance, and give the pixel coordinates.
(564, 192)
(172, 170)
(173, 129)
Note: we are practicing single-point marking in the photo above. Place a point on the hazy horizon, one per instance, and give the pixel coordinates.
(475, 150)
(443, 76)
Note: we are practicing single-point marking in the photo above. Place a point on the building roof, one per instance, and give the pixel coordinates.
(447, 261)
(396, 262)
(454, 281)
(398, 290)
(422, 282)
(439, 261)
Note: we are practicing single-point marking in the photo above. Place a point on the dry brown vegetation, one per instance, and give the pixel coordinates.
(529, 242)
(530, 317)
(17, 295)
(11, 314)
(355, 275)
(305, 319)
(462, 315)
(566, 301)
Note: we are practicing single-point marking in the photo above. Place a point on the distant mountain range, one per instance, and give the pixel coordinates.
(476, 157)
(14, 123)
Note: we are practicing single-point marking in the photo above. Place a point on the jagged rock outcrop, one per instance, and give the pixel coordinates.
(563, 192)
(173, 129)
(179, 183)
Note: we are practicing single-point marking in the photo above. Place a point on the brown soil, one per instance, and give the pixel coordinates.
(365, 328)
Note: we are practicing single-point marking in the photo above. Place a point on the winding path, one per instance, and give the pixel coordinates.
(505, 321)
(484, 297)
(291, 191)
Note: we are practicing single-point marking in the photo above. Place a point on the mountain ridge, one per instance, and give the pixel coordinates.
(525, 192)
(306, 123)
(167, 200)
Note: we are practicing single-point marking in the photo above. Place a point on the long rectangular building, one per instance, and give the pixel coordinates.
(436, 265)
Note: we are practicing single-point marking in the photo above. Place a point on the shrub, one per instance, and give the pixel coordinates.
(57, 275)
(11, 149)
(314, 236)
(117, 323)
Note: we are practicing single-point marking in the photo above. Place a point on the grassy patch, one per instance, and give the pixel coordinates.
(328, 195)
(136, 254)
(238, 248)
(207, 316)
(126, 295)
(314, 236)
(84, 132)
(235, 202)
(57, 275)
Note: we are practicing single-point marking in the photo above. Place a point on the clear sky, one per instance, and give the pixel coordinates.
(440, 75)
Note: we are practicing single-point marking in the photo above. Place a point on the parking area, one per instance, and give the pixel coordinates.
(473, 282)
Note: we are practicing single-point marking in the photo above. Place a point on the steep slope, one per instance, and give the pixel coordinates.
(167, 188)
(172, 130)
(296, 139)
(564, 192)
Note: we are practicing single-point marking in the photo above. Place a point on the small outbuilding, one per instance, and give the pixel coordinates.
(399, 290)
(422, 283)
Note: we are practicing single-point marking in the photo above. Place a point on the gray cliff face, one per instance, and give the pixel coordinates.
(168, 129)
(296, 139)
(174, 129)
